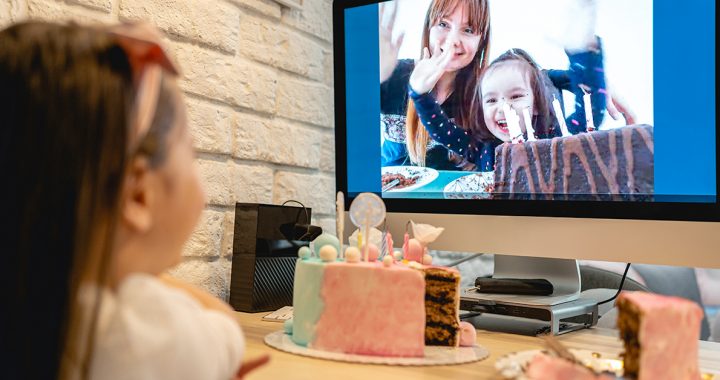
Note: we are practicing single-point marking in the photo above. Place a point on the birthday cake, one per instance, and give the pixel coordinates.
(614, 164)
(660, 335)
(384, 307)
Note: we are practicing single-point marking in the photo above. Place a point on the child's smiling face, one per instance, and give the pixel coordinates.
(454, 30)
(506, 82)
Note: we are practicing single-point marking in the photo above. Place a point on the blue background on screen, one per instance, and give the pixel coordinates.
(362, 85)
(684, 91)
(684, 94)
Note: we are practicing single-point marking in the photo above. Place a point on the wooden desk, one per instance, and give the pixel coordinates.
(288, 366)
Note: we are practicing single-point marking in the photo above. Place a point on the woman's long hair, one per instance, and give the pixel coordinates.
(66, 93)
(544, 121)
(465, 81)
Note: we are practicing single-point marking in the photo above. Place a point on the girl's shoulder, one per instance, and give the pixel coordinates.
(146, 323)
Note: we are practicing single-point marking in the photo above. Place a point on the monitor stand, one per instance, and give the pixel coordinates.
(564, 309)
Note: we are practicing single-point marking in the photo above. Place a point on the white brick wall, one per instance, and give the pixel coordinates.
(258, 79)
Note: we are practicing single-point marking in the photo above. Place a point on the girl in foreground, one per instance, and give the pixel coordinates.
(103, 195)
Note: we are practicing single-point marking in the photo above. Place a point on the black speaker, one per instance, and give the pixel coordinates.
(265, 245)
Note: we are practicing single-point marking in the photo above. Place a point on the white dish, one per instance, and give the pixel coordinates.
(512, 366)
(424, 176)
(472, 186)
(434, 355)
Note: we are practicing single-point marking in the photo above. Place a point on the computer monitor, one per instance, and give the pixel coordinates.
(659, 56)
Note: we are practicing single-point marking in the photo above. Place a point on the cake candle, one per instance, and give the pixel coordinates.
(367, 236)
(589, 123)
(560, 117)
(340, 219)
(389, 244)
(512, 121)
(528, 124)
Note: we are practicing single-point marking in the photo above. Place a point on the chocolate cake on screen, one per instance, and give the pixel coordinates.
(614, 164)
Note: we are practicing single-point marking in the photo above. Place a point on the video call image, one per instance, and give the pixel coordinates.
(518, 99)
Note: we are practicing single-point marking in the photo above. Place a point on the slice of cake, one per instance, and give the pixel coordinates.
(660, 335)
(614, 164)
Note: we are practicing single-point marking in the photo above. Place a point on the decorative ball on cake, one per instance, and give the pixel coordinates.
(328, 253)
(352, 255)
(304, 253)
(387, 261)
(398, 255)
(468, 335)
(373, 251)
(427, 259)
(323, 240)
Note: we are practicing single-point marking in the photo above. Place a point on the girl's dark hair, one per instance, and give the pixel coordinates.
(465, 81)
(544, 121)
(66, 93)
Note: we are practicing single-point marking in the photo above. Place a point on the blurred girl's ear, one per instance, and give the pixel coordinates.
(138, 197)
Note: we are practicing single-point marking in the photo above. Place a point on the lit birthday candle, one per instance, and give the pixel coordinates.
(589, 123)
(560, 117)
(513, 124)
(528, 124)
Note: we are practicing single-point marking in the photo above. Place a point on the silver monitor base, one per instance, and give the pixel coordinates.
(548, 319)
(563, 309)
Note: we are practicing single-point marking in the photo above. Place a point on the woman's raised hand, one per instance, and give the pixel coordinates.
(389, 48)
(430, 68)
(580, 29)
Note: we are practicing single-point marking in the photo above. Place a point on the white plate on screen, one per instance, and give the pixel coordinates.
(472, 186)
(421, 176)
(434, 355)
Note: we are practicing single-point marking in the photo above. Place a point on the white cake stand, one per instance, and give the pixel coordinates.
(434, 355)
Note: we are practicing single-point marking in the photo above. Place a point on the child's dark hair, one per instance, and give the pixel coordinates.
(544, 122)
(66, 94)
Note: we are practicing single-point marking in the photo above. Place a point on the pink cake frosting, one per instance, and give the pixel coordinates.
(371, 310)
(668, 335)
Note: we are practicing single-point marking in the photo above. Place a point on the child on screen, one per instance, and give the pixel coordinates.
(515, 80)
(104, 194)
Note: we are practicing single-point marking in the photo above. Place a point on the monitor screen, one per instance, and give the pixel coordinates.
(526, 107)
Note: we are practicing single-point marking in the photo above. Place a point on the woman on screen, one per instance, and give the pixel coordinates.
(464, 28)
